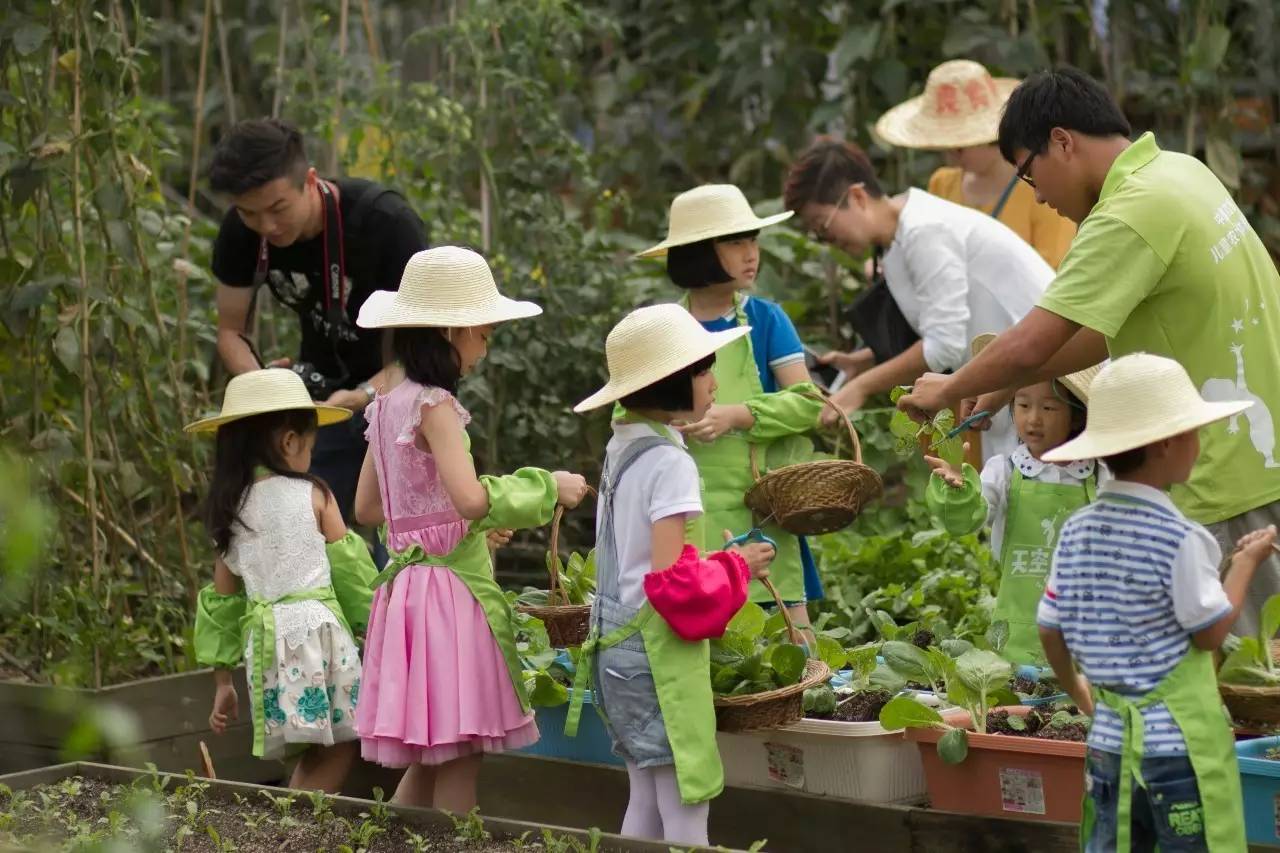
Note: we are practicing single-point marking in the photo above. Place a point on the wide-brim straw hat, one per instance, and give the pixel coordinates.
(708, 211)
(650, 344)
(1138, 400)
(961, 106)
(272, 389)
(1077, 383)
(446, 287)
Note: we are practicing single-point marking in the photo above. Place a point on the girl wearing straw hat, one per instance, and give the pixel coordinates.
(1023, 499)
(657, 602)
(1136, 602)
(443, 681)
(953, 272)
(290, 581)
(711, 252)
(959, 115)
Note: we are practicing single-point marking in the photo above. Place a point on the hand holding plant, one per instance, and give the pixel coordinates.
(1254, 547)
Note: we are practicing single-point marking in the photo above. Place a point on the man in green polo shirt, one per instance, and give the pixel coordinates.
(1164, 262)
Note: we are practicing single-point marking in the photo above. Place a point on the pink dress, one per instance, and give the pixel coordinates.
(436, 686)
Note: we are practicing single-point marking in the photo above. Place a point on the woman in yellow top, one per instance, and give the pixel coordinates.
(959, 114)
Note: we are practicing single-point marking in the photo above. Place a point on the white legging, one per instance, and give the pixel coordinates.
(655, 811)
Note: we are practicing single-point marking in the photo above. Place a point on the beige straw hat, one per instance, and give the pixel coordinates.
(272, 389)
(711, 210)
(448, 287)
(1138, 400)
(650, 344)
(1077, 383)
(961, 106)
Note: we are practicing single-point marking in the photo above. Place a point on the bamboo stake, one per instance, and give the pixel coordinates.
(370, 34)
(278, 98)
(227, 83)
(86, 362)
(119, 532)
(337, 96)
(118, 8)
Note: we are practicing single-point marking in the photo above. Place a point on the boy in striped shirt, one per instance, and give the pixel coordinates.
(1134, 599)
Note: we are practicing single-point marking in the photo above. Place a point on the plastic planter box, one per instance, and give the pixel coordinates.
(846, 761)
(1260, 780)
(591, 745)
(1004, 776)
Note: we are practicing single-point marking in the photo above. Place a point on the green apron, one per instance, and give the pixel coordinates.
(725, 466)
(681, 669)
(1190, 692)
(259, 622)
(1033, 519)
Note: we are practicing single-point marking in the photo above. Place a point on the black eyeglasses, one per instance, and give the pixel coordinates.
(1023, 169)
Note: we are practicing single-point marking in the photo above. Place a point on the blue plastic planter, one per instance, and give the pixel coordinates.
(591, 746)
(1260, 779)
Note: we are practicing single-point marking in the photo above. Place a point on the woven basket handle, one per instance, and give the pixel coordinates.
(840, 416)
(553, 549)
(796, 636)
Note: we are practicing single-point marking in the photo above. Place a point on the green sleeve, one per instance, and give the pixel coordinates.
(1107, 272)
(959, 511)
(218, 641)
(519, 501)
(351, 571)
(785, 412)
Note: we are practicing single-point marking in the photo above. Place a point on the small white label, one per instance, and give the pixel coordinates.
(786, 764)
(1021, 791)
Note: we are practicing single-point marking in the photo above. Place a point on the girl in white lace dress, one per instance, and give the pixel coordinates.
(270, 521)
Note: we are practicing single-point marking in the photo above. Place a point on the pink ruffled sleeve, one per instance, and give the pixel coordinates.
(429, 397)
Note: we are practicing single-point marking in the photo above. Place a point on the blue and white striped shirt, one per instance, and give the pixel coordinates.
(1132, 579)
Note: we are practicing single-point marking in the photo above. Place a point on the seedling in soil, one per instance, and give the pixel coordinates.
(321, 808)
(470, 827)
(420, 843)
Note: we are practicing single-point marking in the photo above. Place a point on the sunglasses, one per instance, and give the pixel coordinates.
(1024, 168)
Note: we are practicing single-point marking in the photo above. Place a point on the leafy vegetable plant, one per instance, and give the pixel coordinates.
(577, 582)
(1251, 663)
(755, 654)
(908, 433)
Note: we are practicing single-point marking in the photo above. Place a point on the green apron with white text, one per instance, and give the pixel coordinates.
(1034, 518)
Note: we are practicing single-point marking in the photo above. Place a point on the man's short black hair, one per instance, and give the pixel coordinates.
(1062, 97)
(672, 393)
(1124, 463)
(696, 265)
(256, 152)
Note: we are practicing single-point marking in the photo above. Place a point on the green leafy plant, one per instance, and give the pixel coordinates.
(976, 681)
(577, 582)
(470, 827)
(909, 433)
(754, 655)
(1251, 662)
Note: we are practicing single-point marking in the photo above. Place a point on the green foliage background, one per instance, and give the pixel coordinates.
(550, 133)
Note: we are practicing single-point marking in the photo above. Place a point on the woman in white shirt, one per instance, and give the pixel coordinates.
(954, 272)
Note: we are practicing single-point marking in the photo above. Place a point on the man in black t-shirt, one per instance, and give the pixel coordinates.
(278, 233)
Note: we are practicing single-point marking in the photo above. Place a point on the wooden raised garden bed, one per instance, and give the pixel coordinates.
(171, 712)
(103, 800)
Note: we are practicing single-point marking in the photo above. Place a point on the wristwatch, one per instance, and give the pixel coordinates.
(368, 389)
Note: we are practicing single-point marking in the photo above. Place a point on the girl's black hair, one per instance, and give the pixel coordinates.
(1079, 412)
(696, 265)
(242, 447)
(428, 357)
(672, 393)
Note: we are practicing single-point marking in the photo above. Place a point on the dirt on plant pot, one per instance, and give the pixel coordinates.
(1035, 689)
(1037, 723)
(1272, 754)
(923, 639)
(861, 707)
(197, 817)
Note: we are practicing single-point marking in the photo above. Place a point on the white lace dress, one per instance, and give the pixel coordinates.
(310, 695)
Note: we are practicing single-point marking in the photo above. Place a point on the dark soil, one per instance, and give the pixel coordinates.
(1272, 754)
(862, 707)
(922, 639)
(1037, 726)
(194, 813)
(1035, 689)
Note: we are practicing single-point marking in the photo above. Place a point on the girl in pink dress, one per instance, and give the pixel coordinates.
(442, 681)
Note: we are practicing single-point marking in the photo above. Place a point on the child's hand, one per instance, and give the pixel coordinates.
(758, 555)
(1256, 546)
(950, 474)
(226, 706)
(499, 538)
(718, 421)
(570, 488)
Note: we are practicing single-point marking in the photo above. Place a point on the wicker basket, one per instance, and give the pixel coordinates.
(813, 498)
(567, 624)
(1250, 704)
(772, 708)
